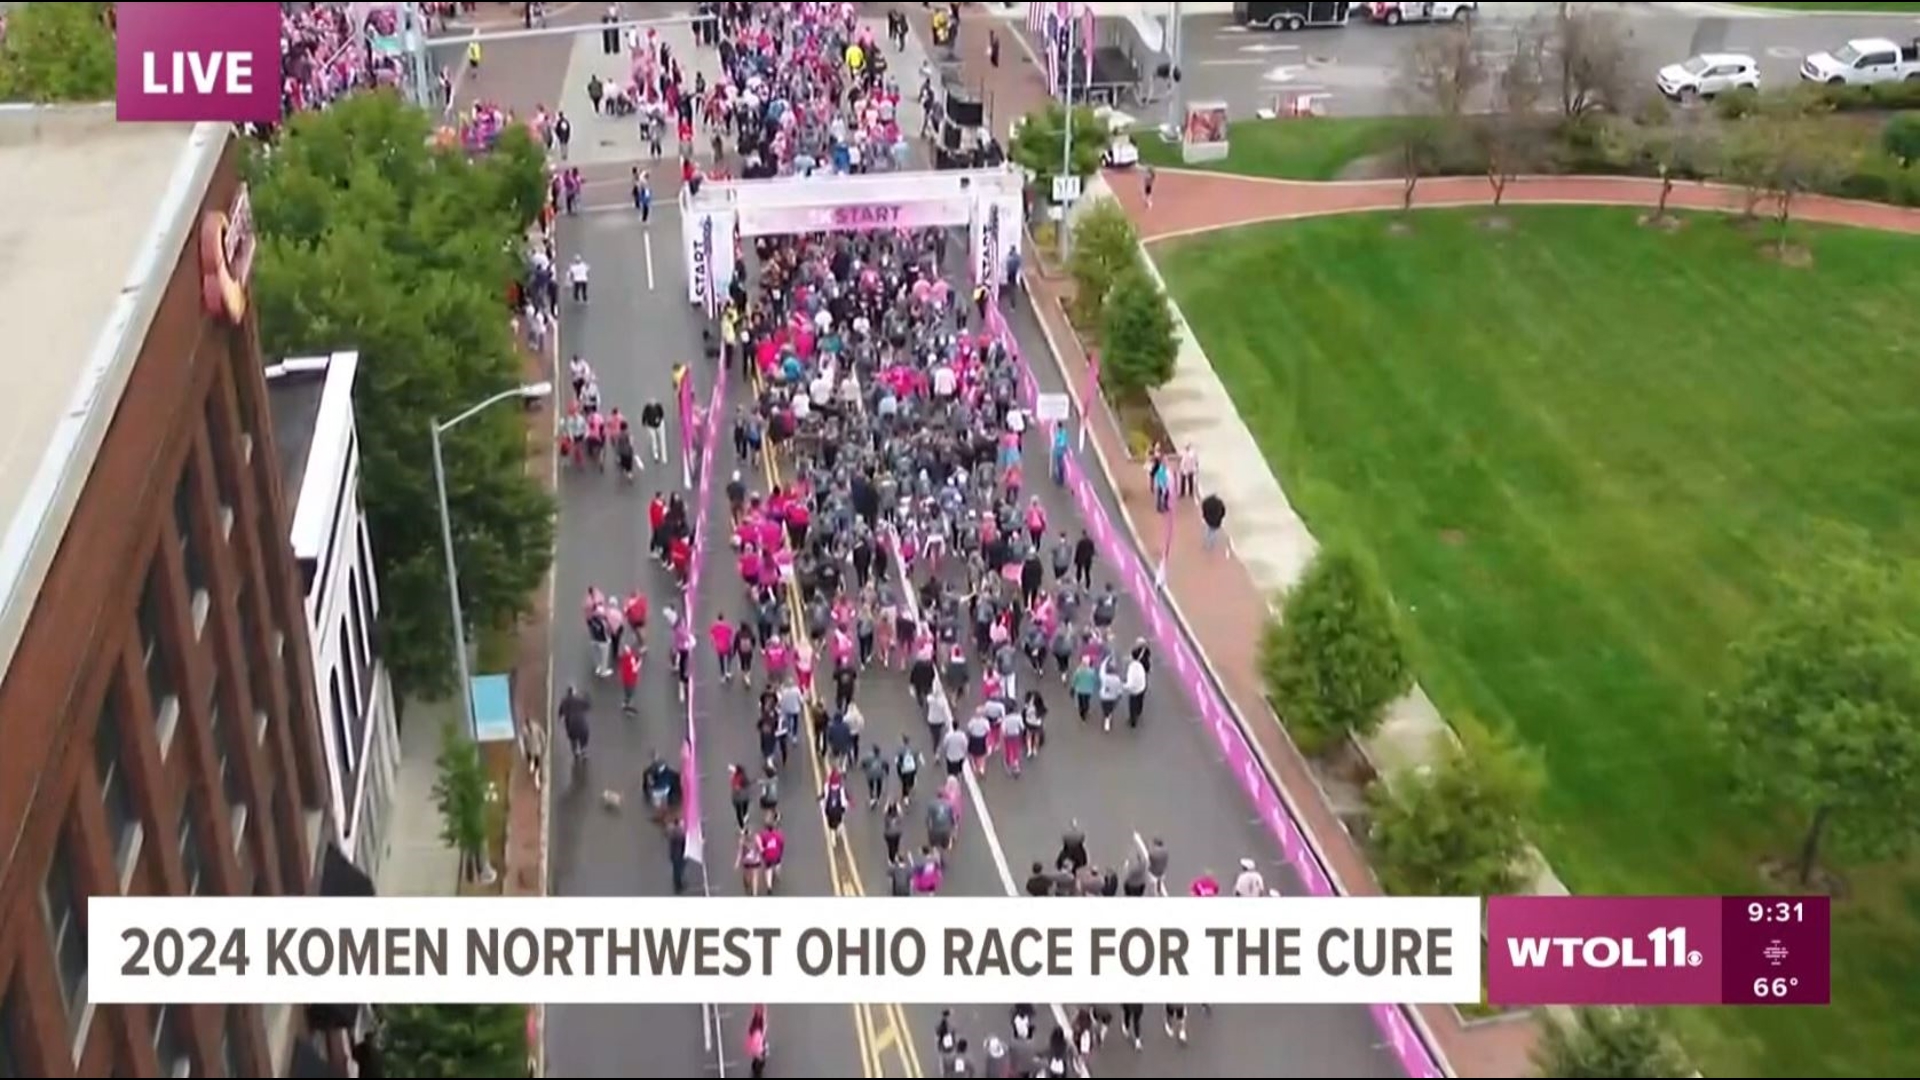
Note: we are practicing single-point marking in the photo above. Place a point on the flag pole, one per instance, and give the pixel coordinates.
(1066, 144)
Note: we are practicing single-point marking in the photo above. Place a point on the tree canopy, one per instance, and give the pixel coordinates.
(1038, 145)
(1335, 661)
(1610, 1044)
(442, 1042)
(372, 240)
(1138, 342)
(1823, 717)
(1105, 245)
(57, 53)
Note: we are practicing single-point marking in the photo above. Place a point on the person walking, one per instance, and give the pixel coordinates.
(1147, 177)
(677, 854)
(1213, 514)
(575, 723)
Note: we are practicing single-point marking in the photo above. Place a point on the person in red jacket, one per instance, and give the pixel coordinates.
(680, 558)
(629, 678)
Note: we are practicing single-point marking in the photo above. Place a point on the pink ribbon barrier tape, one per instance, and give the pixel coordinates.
(1215, 715)
(690, 748)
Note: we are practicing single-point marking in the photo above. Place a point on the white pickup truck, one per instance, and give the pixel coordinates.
(1393, 14)
(1863, 62)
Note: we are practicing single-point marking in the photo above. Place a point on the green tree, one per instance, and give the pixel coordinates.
(57, 53)
(1459, 826)
(1610, 1044)
(1038, 142)
(1901, 138)
(371, 240)
(1334, 661)
(1823, 718)
(463, 794)
(1105, 245)
(442, 1042)
(1137, 339)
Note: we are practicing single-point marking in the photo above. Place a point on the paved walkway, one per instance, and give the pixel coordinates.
(1188, 201)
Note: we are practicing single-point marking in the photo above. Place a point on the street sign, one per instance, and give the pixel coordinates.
(1051, 408)
(1066, 189)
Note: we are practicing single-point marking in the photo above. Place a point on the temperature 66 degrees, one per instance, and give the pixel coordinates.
(169, 953)
(1776, 987)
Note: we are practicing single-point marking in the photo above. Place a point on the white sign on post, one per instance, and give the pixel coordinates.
(1066, 189)
(1051, 408)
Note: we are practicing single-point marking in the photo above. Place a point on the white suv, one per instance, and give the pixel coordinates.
(1708, 74)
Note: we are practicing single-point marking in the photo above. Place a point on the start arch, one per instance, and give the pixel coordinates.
(986, 201)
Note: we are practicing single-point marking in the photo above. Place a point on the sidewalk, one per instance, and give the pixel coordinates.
(418, 860)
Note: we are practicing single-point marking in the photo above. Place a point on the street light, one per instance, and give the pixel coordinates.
(530, 392)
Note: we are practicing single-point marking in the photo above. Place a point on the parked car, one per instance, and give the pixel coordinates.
(1709, 74)
(1393, 14)
(1864, 61)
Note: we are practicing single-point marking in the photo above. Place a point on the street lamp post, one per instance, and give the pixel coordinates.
(529, 392)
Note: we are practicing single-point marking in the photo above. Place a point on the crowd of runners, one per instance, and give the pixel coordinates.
(883, 524)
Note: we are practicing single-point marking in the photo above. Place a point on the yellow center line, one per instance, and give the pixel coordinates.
(890, 1031)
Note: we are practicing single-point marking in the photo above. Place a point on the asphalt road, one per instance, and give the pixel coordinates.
(1351, 70)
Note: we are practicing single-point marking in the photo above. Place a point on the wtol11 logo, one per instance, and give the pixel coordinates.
(1661, 947)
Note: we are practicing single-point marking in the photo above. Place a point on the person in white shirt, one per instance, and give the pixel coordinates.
(1249, 883)
(577, 277)
(945, 384)
(1112, 688)
(1136, 686)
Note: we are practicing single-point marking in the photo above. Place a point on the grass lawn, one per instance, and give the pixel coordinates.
(1311, 148)
(1579, 449)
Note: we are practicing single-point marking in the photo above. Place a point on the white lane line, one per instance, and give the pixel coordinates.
(979, 801)
(646, 244)
(1236, 62)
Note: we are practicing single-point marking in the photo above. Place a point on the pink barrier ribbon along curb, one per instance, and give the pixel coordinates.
(1215, 715)
(690, 748)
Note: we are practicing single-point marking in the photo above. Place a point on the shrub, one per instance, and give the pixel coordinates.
(1334, 661)
(1610, 1044)
(1880, 178)
(1457, 827)
(1138, 343)
(1901, 138)
(463, 794)
(1876, 97)
(1737, 104)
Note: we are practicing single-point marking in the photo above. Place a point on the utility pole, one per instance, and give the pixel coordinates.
(1176, 43)
(1065, 64)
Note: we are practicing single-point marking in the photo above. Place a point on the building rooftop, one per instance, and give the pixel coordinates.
(294, 397)
(93, 216)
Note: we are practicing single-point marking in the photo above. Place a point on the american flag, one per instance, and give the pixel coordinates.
(1052, 23)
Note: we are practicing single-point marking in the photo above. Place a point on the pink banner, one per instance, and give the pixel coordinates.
(858, 217)
(690, 751)
(1215, 715)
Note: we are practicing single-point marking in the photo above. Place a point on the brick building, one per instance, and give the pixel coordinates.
(157, 705)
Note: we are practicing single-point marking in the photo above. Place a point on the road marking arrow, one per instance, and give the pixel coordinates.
(1281, 74)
